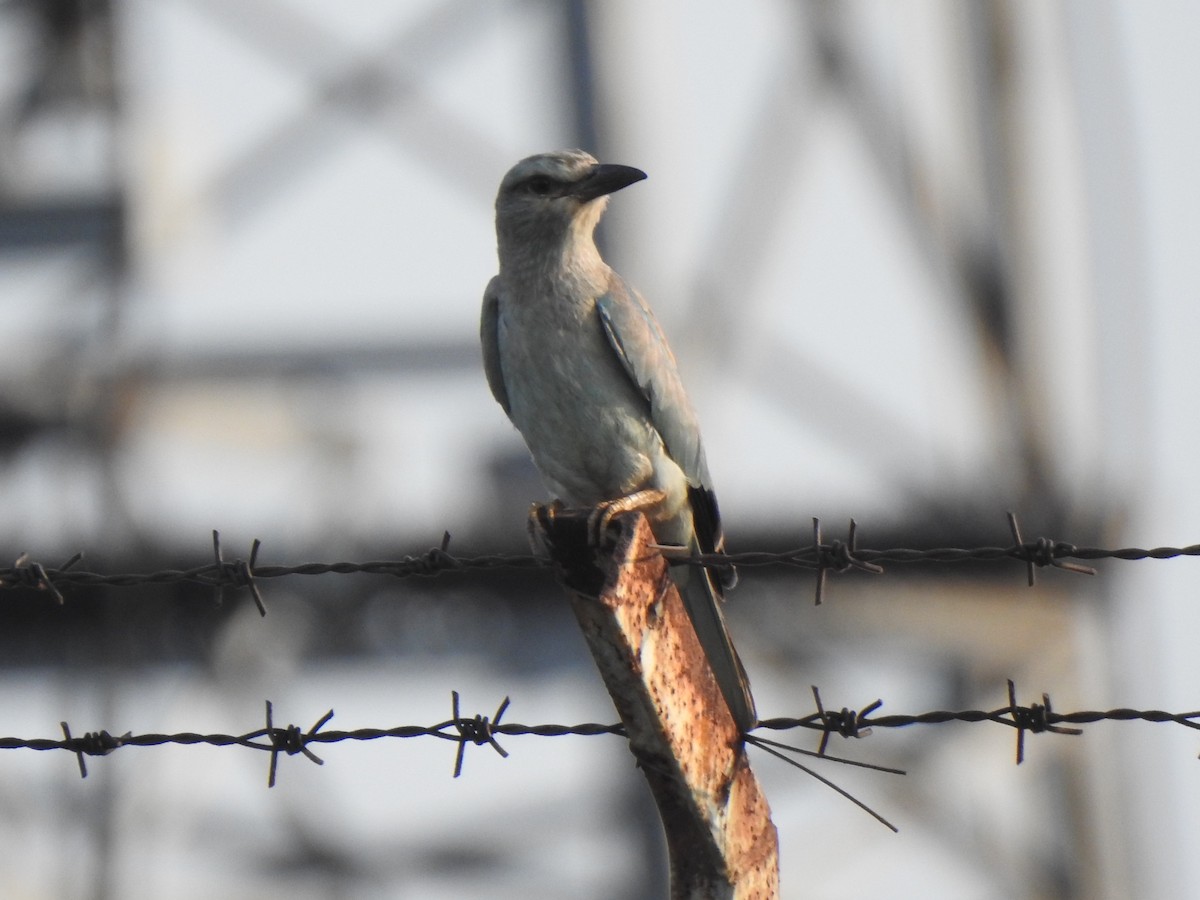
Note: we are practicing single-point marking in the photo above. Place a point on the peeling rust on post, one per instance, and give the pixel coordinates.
(720, 837)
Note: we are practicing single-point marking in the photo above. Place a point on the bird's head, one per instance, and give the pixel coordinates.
(551, 195)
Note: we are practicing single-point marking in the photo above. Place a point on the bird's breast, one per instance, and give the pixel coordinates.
(584, 421)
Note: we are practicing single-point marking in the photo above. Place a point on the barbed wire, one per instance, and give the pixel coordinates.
(837, 556)
(479, 730)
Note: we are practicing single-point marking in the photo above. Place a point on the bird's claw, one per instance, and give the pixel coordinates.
(541, 519)
(597, 524)
(601, 517)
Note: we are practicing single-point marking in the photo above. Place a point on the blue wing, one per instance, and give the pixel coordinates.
(489, 337)
(639, 343)
(642, 348)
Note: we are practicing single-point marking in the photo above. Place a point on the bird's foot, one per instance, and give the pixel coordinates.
(541, 517)
(604, 513)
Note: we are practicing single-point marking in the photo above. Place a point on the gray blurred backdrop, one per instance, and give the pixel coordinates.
(922, 262)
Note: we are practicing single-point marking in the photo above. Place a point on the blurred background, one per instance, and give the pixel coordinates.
(922, 262)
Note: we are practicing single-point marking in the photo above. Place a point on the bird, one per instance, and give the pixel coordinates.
(578, 362)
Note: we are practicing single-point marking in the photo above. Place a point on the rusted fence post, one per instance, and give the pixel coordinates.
(720, 837)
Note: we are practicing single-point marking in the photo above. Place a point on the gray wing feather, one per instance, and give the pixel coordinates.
(489, 336)
(639, 343)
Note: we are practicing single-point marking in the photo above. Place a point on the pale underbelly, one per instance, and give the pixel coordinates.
(588, 452)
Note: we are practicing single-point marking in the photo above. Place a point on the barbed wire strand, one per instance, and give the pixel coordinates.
(836, 556)
(479, 730)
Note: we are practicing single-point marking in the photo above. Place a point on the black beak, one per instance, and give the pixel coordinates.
(605, 179)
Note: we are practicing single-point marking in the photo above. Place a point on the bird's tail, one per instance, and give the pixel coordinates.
(701, 596)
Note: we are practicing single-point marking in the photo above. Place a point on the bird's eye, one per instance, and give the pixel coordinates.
(540, 185)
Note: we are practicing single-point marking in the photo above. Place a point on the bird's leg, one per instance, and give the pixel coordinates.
(604, 513)
(541, 516)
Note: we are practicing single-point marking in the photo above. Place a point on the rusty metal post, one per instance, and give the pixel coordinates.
(721, 840)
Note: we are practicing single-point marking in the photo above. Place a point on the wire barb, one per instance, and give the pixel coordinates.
(27, 573)
(1043, 552)
(436, 559)
(1035, 718)
(290, 740)
(838, 556)
(478, 730)
(847, 723)
(238, 573)
(93, 743)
